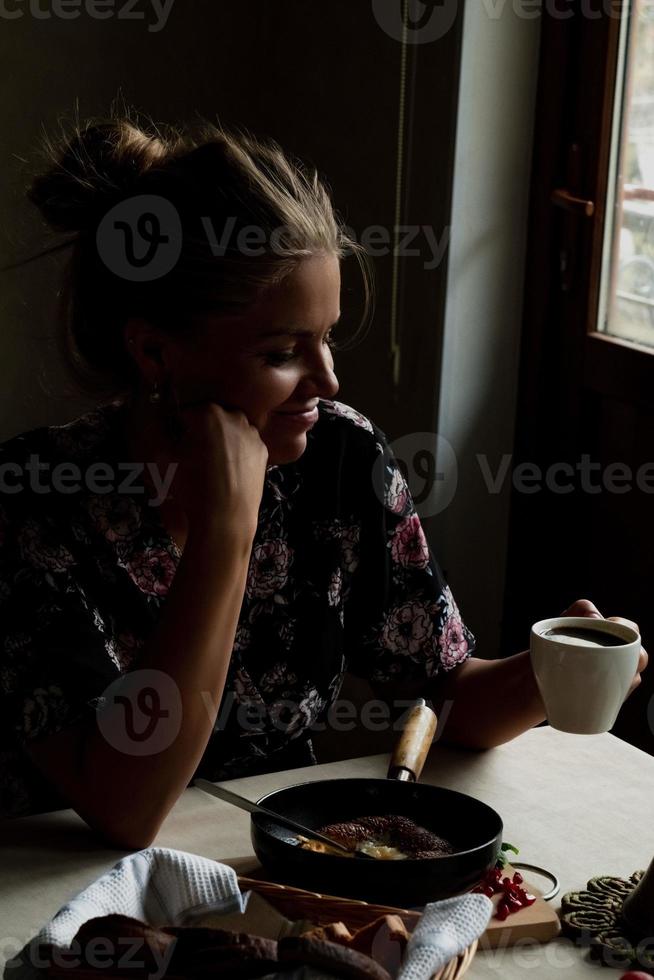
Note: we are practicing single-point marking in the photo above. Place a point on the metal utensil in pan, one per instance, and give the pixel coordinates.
(473, 828)
(242, 803)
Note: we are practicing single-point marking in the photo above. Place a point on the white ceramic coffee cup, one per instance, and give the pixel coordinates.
(583, 687)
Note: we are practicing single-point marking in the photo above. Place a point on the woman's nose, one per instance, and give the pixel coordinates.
(322, 377)
(330, 385)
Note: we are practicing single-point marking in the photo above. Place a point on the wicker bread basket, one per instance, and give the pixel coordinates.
(295, 903)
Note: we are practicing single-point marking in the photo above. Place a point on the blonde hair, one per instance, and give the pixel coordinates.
(208, 174)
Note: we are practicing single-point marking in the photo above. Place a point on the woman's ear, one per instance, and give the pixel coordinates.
(145, 344)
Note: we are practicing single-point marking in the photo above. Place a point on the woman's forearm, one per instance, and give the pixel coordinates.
(487, 702)
(122, 786)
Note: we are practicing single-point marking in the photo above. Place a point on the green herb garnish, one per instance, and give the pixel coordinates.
(502, 859)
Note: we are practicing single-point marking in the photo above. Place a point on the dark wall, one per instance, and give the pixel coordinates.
(322, 79)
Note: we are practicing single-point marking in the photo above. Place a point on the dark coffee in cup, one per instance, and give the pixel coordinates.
(586, 635)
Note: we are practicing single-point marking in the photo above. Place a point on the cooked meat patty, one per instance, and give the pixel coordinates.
(398, 832)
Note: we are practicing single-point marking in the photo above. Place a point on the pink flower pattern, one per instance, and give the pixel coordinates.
(114, 515)
(396, 492)
(342, 411)
(151, 569)
(408, 629)
(122, 649)
(408, 545)
(453, 640)
(269, 566)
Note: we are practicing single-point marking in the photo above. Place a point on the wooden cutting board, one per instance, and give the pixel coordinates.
(538, 922)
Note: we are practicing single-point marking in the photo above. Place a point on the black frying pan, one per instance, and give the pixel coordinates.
(471, 826)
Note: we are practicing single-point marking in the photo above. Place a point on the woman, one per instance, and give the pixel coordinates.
(198, 616)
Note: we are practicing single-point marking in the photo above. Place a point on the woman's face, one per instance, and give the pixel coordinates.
(273, 361)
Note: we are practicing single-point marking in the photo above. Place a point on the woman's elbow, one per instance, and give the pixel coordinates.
(128, 842)
(127, 835)
(465, 738)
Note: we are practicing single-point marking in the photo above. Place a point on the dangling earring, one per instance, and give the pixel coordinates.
(155, 394)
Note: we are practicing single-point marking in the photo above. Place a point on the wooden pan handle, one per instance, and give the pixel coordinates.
(410, 753)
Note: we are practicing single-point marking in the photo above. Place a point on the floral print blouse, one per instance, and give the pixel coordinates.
(340, 579)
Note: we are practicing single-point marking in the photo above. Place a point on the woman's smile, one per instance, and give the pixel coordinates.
(299, 420)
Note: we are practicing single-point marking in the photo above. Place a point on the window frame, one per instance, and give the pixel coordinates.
(613, 365)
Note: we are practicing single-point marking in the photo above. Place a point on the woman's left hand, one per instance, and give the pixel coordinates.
(584, 607)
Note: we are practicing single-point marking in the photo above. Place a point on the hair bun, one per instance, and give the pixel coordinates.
(96, 166)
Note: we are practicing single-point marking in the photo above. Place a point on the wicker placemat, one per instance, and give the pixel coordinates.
(594, 918)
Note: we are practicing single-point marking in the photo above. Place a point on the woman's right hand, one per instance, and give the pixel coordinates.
(220, 468)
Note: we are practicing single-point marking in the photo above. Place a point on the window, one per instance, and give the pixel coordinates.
(627, 286)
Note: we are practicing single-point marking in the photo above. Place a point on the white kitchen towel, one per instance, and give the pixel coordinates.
(445, 929)
(158, 885)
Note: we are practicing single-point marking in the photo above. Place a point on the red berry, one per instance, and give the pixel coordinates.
(517, 878)
(636, 975)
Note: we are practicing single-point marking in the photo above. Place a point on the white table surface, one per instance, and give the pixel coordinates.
(579, 805)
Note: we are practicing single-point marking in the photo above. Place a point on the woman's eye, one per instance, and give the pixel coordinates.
(281, 357)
